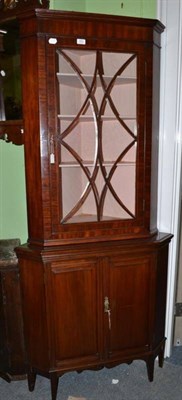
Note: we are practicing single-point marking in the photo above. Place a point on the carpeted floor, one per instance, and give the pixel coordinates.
(132, 384)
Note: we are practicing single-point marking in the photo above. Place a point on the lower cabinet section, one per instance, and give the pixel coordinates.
(93, 305)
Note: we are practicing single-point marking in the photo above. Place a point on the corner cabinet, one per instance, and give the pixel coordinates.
(94, 270)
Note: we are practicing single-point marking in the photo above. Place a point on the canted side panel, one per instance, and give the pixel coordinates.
(35, 126)
(161, 290)
(74, 312)
(155, 137)
(34, 312)
(32, 136)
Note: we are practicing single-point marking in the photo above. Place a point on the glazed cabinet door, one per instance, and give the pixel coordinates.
(96, 141)
(129, 289)
(74, 312)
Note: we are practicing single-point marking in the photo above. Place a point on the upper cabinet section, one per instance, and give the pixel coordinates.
(88, 83)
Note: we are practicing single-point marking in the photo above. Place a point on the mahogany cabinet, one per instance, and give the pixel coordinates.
(94, 271)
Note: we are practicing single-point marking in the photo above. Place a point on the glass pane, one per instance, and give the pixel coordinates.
(98, 135)
(10, 82)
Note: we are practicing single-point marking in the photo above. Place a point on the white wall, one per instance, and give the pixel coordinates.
(170, 156)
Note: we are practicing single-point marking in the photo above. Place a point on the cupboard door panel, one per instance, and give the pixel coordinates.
(74, 311)
(129, 293)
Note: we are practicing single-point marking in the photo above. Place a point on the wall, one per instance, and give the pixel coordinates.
(170, 146)
(71, 5)
(13, 222)
(138, 8)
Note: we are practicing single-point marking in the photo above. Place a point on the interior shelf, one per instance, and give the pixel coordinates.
(87, 118)
(70, 79)
(92, 164)
(90, 218)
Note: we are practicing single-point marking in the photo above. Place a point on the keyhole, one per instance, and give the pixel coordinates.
(122, 5)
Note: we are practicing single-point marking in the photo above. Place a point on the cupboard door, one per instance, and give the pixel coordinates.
(74, 312)
(129, 294)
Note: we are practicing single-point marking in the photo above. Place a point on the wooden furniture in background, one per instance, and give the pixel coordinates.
(12, 346)
(11, 123)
